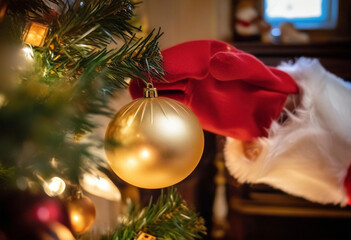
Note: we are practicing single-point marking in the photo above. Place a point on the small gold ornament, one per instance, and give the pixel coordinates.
(154, 142)
(36, 34)
(81, 212)
(145, 236)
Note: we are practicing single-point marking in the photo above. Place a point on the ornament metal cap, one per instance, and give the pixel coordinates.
(77, 194)
(150, 91)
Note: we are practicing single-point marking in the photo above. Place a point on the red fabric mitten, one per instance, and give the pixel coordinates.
(231, 92)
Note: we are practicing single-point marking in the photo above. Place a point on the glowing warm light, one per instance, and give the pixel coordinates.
(145, 154)
(58, 230)
(145, 236)
(53, 162)
(172, 126)
(76, 218)
(28, 53)
(36, 34)
(103, 184)
(98, 184)
(90, 180)
(54, 187)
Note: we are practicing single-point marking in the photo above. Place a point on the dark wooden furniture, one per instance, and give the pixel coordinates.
(334, 56)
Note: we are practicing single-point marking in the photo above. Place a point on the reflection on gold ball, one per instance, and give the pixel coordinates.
(154, 142)
(81, 212)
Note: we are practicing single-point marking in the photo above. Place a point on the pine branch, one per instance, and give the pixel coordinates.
(81, 32)
(72, 76)
(168, 218)
(112, 16)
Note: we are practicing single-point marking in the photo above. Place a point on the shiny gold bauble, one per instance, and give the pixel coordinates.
(81, 212)
(154, 142)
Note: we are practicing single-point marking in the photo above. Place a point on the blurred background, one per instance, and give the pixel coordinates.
(246, 20)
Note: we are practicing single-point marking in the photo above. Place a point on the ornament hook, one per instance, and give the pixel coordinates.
(150, 91)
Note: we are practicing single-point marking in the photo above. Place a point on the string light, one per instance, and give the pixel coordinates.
(54, 187)
(35, 34)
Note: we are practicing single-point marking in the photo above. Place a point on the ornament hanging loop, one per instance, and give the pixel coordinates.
(150, 91)
(77, 194)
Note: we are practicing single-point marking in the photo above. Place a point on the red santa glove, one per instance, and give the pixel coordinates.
(231, 92)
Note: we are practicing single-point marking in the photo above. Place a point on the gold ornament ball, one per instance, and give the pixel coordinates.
(154, 142)
(81, 212)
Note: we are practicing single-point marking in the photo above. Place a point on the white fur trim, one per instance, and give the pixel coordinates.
(309, 154)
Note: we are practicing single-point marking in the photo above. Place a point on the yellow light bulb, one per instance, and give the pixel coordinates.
(54, 187)
(36, 34)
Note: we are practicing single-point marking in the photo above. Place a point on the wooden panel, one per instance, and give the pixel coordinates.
(335, 57)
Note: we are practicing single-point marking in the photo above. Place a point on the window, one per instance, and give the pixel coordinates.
(304, 14)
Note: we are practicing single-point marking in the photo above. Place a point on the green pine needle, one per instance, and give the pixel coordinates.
(70, 78)
(168, 218)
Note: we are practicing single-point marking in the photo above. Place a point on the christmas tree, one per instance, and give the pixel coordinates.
(60, 63)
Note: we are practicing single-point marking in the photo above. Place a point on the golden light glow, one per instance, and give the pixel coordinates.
(145, 236)
(100, 185)
(61, 231)
(56, 229)
(75, 218)
(36, 34)
(54, 187)
(145, 153)
(172, 125)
